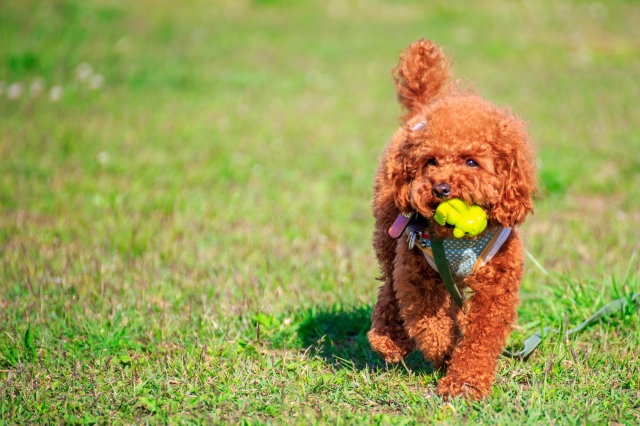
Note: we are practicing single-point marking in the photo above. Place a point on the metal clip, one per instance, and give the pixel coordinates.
(412, 239)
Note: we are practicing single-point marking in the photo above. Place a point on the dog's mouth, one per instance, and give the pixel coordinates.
(424, 201)
(429, 209)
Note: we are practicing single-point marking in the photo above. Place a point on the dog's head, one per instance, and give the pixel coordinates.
(457, 145)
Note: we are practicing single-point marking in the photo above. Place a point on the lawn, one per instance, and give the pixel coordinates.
(185, 225)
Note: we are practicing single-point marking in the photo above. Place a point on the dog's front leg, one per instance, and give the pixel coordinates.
(487, 325)
(388, 336)
(425, 306)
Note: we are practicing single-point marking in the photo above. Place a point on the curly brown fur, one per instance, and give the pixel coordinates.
(442, 129)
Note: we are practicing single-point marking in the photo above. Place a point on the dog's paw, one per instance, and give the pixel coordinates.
(390, 350)
(450, 386)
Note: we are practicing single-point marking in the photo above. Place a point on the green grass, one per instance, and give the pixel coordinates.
(190, 242)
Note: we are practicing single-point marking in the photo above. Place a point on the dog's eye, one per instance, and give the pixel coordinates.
(432, 162)
(471, 163)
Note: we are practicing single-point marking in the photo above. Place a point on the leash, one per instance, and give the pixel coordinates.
(532, 342)
(529, 345)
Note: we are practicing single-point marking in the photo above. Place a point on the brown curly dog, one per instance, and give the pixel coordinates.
(452, 144)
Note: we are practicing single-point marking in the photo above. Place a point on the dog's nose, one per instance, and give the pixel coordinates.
(441, 190)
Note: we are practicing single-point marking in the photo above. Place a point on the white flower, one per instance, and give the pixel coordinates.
(96, 81)
(55, 94)
(103, 157)
(84, 71)
(15, 91)
(36, 87)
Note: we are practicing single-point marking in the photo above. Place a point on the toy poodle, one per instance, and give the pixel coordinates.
(452, 146)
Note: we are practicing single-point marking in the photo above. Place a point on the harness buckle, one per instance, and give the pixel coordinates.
(412, 238)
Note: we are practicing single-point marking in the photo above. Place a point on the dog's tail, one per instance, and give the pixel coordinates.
(422, 72)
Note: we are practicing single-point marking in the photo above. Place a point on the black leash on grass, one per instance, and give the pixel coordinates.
(529, 345)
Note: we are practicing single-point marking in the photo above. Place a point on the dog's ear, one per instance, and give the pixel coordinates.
(518, 172)
(403, 171)
(422, 72)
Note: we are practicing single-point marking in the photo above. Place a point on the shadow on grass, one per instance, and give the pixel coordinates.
(339, 335)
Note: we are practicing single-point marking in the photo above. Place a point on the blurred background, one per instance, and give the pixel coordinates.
(212, 134)
(216, 157)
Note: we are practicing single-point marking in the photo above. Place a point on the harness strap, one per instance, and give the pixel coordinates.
(440, 258)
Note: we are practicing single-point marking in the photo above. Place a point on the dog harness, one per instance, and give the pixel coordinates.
(464, 256)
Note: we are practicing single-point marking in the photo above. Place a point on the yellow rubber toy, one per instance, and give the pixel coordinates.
(469, 221)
